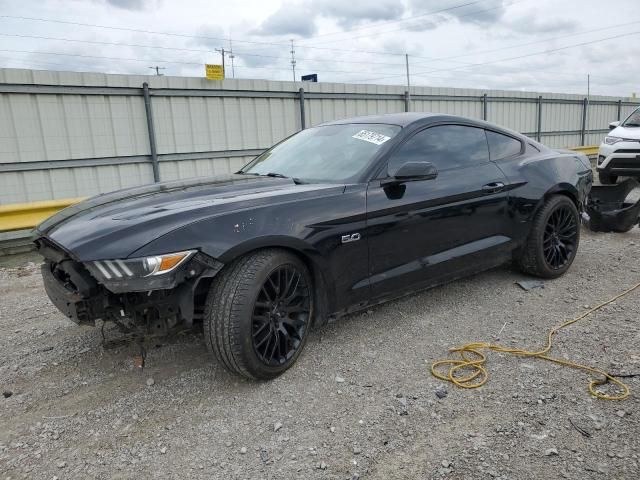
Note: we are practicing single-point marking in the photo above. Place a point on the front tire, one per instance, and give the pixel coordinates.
(553, 241)
(607, 179)
(258, 314)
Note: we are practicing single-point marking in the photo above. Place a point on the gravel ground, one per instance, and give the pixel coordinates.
(360, 403)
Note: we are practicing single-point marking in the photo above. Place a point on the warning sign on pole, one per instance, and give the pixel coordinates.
(214, 72)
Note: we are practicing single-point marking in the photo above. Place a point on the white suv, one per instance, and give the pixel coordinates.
(619, 154)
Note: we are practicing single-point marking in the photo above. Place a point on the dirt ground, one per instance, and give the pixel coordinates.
(360, 402)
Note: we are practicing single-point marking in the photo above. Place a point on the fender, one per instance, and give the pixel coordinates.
(317, 264)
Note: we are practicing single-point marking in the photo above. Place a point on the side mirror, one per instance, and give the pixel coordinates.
(413, 171)
(613, 125)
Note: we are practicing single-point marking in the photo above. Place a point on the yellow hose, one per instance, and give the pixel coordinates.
(472, 358)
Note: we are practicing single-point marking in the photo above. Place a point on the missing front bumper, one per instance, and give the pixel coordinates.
(72, 305)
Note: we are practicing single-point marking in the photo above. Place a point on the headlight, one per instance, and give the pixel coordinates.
(140, 267)
(138, 274)
(612, 140)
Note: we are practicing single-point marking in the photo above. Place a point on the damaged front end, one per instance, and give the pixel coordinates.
(614, 208)
(137, 297)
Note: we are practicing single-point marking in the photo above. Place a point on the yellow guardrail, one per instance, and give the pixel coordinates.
(20, 216)
(588, 150)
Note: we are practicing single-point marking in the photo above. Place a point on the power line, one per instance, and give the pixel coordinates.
(101, 57)
(84, 68)
(126, 29)
(471, 14)
(553, 50)
(202, 37)
(424, 73)
(178, 62)
(180, 49)
(74, 68)
(549, 39)
(247, 54)
(401, 20)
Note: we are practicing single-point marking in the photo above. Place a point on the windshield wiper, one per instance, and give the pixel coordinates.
(631, 125)
(297, 181)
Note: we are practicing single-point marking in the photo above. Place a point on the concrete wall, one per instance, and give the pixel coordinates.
(65, 134)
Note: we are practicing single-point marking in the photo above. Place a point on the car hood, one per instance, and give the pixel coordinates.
(632, 133)
(115, 225)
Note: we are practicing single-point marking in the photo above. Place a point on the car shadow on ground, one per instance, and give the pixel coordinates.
(177, 354)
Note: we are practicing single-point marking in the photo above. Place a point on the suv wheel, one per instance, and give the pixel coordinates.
(258, 314)
(553, 240)
(607, 179)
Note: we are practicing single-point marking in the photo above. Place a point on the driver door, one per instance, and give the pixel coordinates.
(424, 232)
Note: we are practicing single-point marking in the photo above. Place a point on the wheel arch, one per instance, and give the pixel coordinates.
(564, 189)
(323, 292)
(560, 189)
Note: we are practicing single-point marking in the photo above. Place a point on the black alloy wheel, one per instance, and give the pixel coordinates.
(560, 237)
(553, 240)
(281, 315)
(259, 313)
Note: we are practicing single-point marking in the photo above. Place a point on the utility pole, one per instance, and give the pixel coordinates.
(157, 69)
(232, 56)
(293, 60)
(586, 115)
(222, 52)
(406, 61)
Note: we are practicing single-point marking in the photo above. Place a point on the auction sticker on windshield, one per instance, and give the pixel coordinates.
(371, 137)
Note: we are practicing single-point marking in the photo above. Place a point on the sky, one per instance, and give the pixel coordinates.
(524, 45)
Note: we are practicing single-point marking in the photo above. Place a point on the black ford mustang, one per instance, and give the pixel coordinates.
(331, 220)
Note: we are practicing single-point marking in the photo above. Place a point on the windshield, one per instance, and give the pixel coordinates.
(632, 120)
(331, 153)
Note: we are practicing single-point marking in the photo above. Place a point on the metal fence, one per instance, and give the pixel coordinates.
(65, 134)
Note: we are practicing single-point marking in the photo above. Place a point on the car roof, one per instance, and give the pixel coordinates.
(424, 118)
(409, 118)
(401, 119)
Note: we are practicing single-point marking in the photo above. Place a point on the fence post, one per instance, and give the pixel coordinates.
(583, 128)
(539, 126)
(303, 123)
(152, 133)
(619, 110)
(407, 101)
(484, 107)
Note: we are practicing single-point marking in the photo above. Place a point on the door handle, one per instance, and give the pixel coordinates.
(494, 187)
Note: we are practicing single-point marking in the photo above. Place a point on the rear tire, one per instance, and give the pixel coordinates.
(607, 179)
(553, 240)
(258, 314)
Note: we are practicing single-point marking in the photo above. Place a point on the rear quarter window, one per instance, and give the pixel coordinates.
(502, 146)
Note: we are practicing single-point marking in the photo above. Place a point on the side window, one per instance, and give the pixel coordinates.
(446, 146)
(502, 146)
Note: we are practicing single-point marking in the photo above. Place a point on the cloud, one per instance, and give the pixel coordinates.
(476, 14)
(211, 36)
(299, 18)
(262, 56)
(532, 24)
(351, 12)
(129, 4)
(290, 19)
(423, 24)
